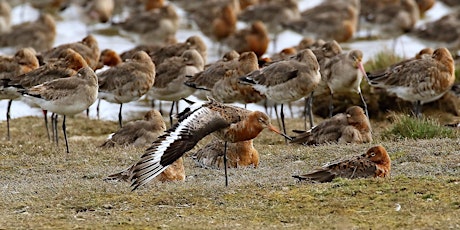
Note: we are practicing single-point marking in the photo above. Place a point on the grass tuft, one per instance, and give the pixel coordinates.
(382, 60)
(413, 128)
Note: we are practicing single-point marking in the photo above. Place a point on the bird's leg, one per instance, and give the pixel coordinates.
(8, 118)
(305, 109)
(331, 104)
(364, 104)
(310, 110)
(282, 121)
(46, 124)
(97, 108)
(120, 123)
(65, 134)
(277, 116)
(418, 109)
(170, 113)
(54, 118)
(225, 164)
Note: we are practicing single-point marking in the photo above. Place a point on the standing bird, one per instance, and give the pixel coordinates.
(229, 123)
(39, 34)
(171, 75)
(287, 81)
(344, 73)
(254, 38)
(139, 133)
(374, 163)
(127, 81)
(350, 127)
(420, 80)
(66, 96)
(22, 62)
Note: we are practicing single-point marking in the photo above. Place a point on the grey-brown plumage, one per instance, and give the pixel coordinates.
(88, 48)
(39, 34)
(139, 133)
(350, 127)
(374, 163)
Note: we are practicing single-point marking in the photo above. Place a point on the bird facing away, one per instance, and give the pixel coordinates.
(229, 123)
(374, 163)
(66, 96)
(350, 127)
(239, 154)
(418, 81)
(139, 133)
(127, 81)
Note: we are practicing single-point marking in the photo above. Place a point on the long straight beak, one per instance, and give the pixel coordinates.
(361, 68)
(275, 130)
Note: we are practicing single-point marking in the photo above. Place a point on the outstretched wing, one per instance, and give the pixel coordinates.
(175, 142)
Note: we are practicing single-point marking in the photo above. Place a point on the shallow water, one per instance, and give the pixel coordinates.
(72, 29)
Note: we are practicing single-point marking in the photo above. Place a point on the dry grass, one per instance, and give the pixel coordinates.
(42, 187)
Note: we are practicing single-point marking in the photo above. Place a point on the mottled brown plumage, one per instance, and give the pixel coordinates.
(88, 48)
(374, 163)
(127, 81)
(420, 80)
(139, 133)
(350, 127)
(39, 34)
(255, 39)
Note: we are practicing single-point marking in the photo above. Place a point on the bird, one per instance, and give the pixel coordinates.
(443, 32)
(353, 126)
(272, 14)
(127, 81)
(390, 18)
(39, 34)
(229, 123)
(374, 163)
(254, 38)
(171, 75)
(204, 81)
(418, 81)
(344, 73)
(140, 133)
(332, 19)
(108, 58)
(66, 96)
(152, 27)
(88, 48)
(159, 53)
(286, 81)
(239, 154)
(65, 66)
(228, 90)
(23, 61)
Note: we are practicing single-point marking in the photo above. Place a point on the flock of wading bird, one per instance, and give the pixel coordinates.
(67, 79)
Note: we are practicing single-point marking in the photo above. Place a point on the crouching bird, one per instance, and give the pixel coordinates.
(374, 163)
(229, 123)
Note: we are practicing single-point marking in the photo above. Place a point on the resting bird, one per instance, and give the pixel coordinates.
(374, 163)
(350, 127)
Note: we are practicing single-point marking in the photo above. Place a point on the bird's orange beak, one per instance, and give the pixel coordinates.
(275, 130)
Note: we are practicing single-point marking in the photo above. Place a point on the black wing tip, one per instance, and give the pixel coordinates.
(246, 80)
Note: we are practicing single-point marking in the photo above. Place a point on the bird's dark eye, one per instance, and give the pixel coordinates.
(372, 154)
